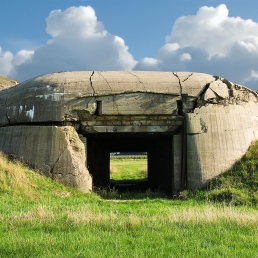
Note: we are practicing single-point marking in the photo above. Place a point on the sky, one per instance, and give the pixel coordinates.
(206, 36)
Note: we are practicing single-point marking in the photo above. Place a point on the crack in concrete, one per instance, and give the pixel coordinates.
(188, 77)
(247, 89)
(184, 97)
(179, 81)
(180, 85)
(113, 95)
(106, 81)
(138, 80)
(203, 91)
(216, 94)
(51, 170)
(229, 85)
(206, 87)
(94, 93)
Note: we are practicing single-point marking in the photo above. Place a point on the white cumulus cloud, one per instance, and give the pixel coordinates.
(148, 63)
(21, 57)
(79, 42)
(185, 57)
(211, 28)
(211, 42)
(5, 62)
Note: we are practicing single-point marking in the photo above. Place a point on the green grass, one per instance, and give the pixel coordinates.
(238, 186)
(41, 218)
(131, 168)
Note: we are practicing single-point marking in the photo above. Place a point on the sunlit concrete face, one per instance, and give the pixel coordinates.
(187, 122)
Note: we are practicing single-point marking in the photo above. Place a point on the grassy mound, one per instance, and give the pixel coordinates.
(22, 183)
(238, 186)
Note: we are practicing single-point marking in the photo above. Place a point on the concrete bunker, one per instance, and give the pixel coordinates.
(194, 126)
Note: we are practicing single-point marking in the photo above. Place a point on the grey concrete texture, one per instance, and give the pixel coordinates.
(219, 130)
(217, 136)
(69, 96)
(56, 152)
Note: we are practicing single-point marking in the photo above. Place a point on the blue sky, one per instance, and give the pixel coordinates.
(170, 35)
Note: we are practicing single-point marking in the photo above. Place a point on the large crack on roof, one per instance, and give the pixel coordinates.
(231, 85)
(105, 81)
(187, 77)
(91, 84)
(94, 93)
(138, 80)
(91, 107)
(113, 95)
(203, 91)
(179, 81)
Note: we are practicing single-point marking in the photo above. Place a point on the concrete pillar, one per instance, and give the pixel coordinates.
(177, 162)
(98, 160)
(160, 165)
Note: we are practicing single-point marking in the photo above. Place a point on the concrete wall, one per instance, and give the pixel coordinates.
(218, 136)
(56, 151)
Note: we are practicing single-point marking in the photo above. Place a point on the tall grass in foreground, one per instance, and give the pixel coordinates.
(41, 218)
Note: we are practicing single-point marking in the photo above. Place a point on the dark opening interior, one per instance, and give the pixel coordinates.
(158, 147)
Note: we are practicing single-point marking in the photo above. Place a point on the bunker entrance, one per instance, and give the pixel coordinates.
(159, 157)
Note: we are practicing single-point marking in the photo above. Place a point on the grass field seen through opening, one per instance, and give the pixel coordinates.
(128, 168)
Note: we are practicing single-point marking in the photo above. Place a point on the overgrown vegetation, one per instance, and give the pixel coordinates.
(238, 186)
(41, 218)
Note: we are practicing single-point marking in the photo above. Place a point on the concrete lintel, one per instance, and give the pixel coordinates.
(128, 129)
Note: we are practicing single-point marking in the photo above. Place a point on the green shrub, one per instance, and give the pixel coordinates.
(229, 195)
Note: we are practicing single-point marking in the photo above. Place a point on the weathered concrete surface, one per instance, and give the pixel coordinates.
(76, 96)
(131, 124)
(55, 151)
(217, 136)
(6, 82)
(221, 122)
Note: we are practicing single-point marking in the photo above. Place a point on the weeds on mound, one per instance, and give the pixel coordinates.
(237, 186)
